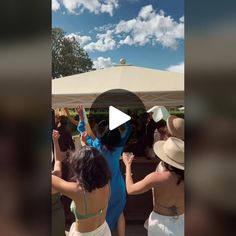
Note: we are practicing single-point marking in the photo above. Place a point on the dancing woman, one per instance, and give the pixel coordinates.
(111, 145)
(167, 217)
(89, 192)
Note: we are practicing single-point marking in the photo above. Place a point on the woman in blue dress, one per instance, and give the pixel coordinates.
(110, 145)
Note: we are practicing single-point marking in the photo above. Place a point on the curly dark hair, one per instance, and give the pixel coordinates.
(90, 168)
(111, 139)
(178, 172)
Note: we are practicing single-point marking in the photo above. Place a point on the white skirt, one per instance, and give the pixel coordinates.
(159, 225)
(102, 230)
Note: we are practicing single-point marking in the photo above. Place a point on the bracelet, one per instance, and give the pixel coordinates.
(126, 174)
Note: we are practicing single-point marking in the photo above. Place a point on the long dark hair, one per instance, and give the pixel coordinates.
(178, 172)
(90, 168)
(63, 121)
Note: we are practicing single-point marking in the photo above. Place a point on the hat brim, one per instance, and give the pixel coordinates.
(172, 130)
(169, 124)
(158, 149)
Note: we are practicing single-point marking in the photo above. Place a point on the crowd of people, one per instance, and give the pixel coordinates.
(88, 188)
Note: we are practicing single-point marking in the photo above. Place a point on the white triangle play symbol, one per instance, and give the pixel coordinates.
(116, 118)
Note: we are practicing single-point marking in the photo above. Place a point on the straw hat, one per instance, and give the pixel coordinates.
(175, 126)
(171, 151)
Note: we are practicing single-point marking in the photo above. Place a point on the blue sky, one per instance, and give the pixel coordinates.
(145, 33)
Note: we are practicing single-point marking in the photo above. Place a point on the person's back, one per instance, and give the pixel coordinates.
(167, 217)
(89, 192)
(167, 183)
(90, 208)
(168, 196)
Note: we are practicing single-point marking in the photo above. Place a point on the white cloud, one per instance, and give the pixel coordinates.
(94, 6)
(149, 27)
(102, 62)
(125, 26)
(128, 40)
(55, 5)
(152, 27)
(82, 40)
(177, 68)
(105, 42)
(109, 6)
(104, 27)
(146, 12)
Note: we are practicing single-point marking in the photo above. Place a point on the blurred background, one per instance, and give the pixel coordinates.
(210, 112)
(25, 129)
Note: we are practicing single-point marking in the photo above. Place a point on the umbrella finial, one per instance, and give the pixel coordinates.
(122, 61)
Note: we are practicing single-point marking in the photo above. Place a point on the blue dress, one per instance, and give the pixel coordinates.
(117, 200)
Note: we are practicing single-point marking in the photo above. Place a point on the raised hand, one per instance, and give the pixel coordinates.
(55, 135)
(127, 158)
(83, 138)
(80, 110)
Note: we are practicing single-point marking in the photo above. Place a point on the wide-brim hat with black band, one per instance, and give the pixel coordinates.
(171, 152)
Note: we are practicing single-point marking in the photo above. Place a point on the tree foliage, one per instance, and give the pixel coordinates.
(68, 58)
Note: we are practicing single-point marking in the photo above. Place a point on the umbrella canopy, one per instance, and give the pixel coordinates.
(154, 87)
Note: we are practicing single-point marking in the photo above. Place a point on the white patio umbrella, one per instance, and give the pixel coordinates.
(154, 87)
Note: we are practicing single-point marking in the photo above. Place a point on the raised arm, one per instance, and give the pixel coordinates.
(70, 118)
(86, 139)
(126, 134)
(69, 189)
(57, 154)
(139, 187)
(90, 132)
(81, 127)
(81, 124)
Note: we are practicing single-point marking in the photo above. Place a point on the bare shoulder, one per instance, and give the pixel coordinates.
(158, 177)
(164, 175)
(77, 188)
(77, 191)
(56, 173)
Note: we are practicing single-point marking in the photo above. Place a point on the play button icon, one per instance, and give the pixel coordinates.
(117, 117)
(115, 108)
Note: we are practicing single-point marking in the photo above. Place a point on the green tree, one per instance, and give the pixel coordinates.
(68, 58)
